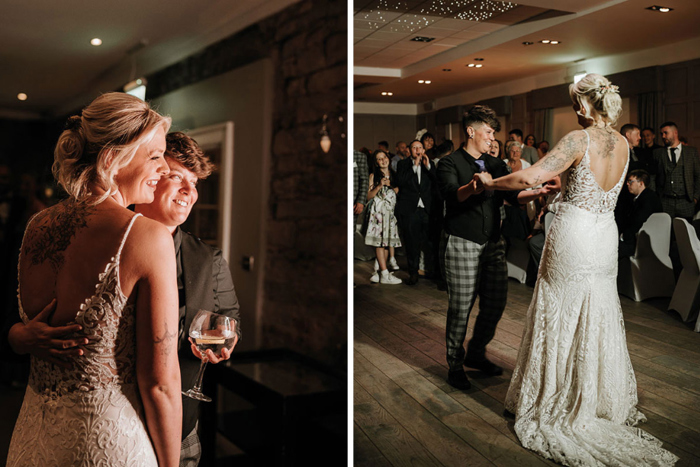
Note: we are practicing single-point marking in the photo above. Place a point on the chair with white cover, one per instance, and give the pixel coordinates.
(517, 258)
(548, 218)
(649, 273)
(686, 296)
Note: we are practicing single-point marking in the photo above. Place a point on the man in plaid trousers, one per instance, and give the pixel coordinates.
(360, 185)
(473, 252)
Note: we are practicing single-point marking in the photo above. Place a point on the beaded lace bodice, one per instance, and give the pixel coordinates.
(580, 188)
(89, 414)
(108, 323)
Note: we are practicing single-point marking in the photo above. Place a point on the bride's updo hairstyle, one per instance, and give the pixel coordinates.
(94, 146)
(598, 98)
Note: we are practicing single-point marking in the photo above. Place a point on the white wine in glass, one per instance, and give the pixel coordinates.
(209, 331)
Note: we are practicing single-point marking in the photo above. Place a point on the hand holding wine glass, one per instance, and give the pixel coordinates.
(213, 336)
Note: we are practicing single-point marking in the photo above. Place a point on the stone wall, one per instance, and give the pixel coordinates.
(305, 285)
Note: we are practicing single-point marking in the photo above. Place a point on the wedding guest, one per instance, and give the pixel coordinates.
(414, 178)
(528, 153)
(645, 202)
(530, 141)
(515, 162)
(677, 174)
(382, 229)
(542, 149)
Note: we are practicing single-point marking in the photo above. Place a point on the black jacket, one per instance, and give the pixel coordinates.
(409, 189)
(645, 205)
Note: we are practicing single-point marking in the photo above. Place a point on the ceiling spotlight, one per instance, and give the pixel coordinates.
(528, 43)
(383, 93)
(479, 65)
(22, 96)
(420, 81)
(390, 93)
(660, 9)
(545, 41)
(471, 65)
(554, 42)
(96, 41)
(427, 81)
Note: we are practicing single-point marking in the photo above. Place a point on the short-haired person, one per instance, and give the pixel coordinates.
(529, 153)
(677, 174)
(515, 161)
(624, 202)
(645, 154)
(645, 202)
(428, 142)
(472, 248)
(414, 178)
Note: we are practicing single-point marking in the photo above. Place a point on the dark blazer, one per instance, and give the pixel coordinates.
(691, 171)
(645, 205)
(207, 285)
(409, 189)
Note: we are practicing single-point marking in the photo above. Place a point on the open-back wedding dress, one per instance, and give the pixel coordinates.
(573, 390)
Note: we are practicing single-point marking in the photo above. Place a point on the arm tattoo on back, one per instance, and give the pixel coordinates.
(55, 227)
(166, 348)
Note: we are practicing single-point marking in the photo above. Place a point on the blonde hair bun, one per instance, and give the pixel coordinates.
(598, 97)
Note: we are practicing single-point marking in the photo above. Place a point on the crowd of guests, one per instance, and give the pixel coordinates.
(400, 196)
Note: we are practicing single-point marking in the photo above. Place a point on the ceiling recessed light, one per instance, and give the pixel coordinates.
(447, 69)
(554, 42)
(478, 59)
(471, 65)
(22, 96)
(383, 93)
(479, 65)
(545, 41)
(390, 93)
(423, 39)
(427, 81)
(420, 81)
(528, 43)
(660, 9)
(96, 41)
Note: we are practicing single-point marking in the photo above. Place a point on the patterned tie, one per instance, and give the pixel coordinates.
(673, 157)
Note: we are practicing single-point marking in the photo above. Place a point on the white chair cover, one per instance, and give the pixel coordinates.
(649, 273)
(517, 259)
(686, 299)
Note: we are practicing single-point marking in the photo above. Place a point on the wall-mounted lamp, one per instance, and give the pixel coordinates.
(325, 136)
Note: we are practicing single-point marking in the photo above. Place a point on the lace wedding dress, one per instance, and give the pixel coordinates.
(90, 414)
(573, 390)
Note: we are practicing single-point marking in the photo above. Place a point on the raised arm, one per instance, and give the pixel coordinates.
(571, 148)
(157, 366)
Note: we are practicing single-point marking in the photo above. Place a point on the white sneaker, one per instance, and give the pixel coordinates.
(374, 278)
(376, 266)
(393, 264)
(385, 277)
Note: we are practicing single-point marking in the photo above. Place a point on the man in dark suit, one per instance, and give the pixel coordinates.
(645, 202)
(415, 177)
(204, 280)
(624, 201)
(677, 174)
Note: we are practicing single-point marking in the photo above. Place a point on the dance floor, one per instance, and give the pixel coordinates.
(405, 413)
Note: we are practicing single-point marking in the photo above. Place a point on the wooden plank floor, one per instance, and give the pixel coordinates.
(405, 413)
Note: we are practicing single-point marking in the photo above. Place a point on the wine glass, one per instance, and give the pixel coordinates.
(209, 331)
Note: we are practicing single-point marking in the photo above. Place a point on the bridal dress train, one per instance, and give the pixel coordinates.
(573, 390)
(90, 414)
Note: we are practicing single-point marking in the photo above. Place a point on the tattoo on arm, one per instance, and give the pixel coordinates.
(55, 227)
(563, 153)
(166, 340)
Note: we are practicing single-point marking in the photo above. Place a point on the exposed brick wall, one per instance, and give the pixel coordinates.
(305, 289)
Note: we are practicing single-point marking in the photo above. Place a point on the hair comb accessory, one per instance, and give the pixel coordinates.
(607, 89)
